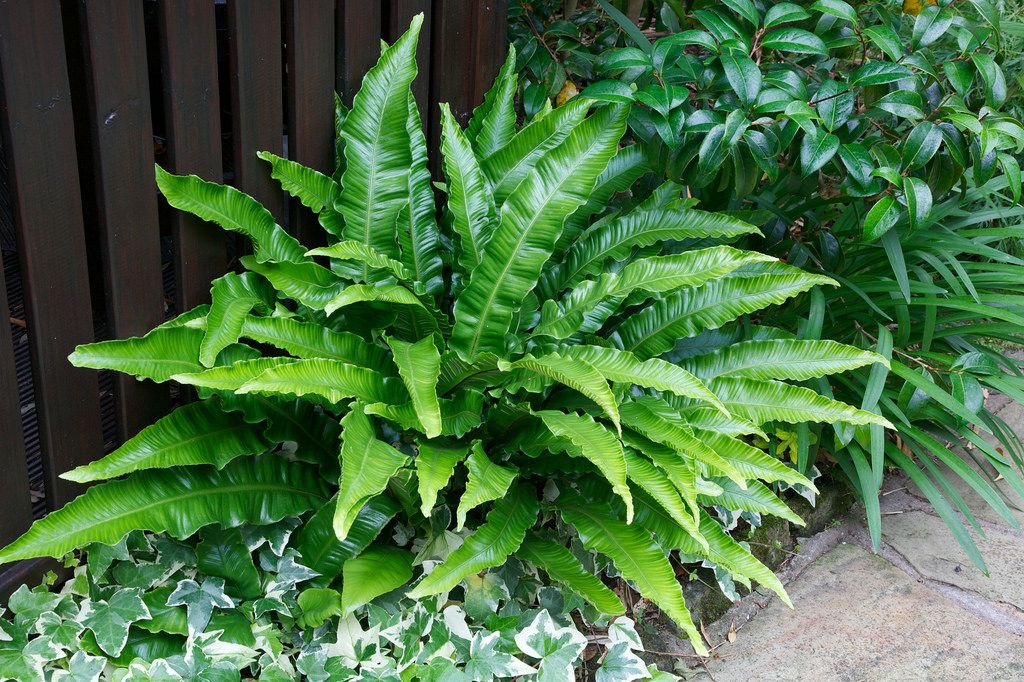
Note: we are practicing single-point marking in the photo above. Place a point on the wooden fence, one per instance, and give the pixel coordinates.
(92, 92)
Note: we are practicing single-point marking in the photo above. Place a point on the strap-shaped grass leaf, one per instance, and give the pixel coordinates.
(435, 465)
(659, 423)
(233, 296)
(316, 191)
(597, 444)
(469, 200)
(331, 379)
(321, 549)
(198, 433)
(231, 377)
(620, 365)
(367, 255)
(374, 572)
(688, 312)
(233, 210)
(366, 466)
(418, 236)
(310, 284)
(656, 484)
(419, 365)
(531, 221)
(574, 373)
(563, 567)
(493, 123)
(636, 555)
(178, 501)
(615, 239)
(158, 355)
(507, 167)
(487, 481)
(751, 462)
(756, 498)
(792, 359)
(375, 184)
(307, 340)
(764, 401)
(489, 545)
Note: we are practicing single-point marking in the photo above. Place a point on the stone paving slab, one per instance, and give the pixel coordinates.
(858, 617)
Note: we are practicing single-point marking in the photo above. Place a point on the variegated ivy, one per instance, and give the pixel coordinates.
(513, 360)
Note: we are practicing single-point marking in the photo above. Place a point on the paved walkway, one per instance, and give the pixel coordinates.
(918, 610)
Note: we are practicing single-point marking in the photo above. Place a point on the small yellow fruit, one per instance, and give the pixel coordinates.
(567, 92)
(914, 7)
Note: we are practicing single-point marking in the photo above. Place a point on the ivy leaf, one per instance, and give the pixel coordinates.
(624, 630)
(486, 662)
(63, 633)
(621, 665)
(224, 554)
(109, 620)
(483, 594)
(318, 604)
(557, 647)
(81, 668)
(199, 601)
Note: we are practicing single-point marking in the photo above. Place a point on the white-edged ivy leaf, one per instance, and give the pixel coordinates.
(199, 600)
(109, 619)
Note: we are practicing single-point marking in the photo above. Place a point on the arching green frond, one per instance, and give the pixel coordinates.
(597, 444)
(231, 377)
(233, 296)
(314, 433)
(493, 123)
(793, 359)
(574, 373)
(315, 190)
(507, 167)
(657, 421)
(375, 184)
(469, 200)
(419, 365)
(489, 545)
(233, 210)
(460, 414)
(178, 501)
(158, 355)
(366, 466)
(763, 401)
(308, 340)
(435, 465)
(756, 498)
(679, 470)
(563, 567)
(614, 240)
(419, 315)
(198, 433)
(333, 380)
(636, 556)
(688, 312)
(656, 484)
(751, 462)
(709, 419)
(418, 234)
(487, 481)
(530, 224)
(374, 572)
(310, 284)
(620, 365)
(367, 255)
(688, 269)
(321, 549)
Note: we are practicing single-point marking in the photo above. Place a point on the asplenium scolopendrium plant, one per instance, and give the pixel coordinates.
(517, 342)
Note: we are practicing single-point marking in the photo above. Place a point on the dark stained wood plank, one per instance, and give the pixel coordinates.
(16, 513)
(38, 131)
(188, 57)
(120, 134)
(309, 53)
(400, 13)
(491, 45)
(360, 25)
(257, 101)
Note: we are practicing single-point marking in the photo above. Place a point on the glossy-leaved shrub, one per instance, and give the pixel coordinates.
(506, 359)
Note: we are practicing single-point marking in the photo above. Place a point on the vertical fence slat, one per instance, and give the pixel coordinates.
(120, 129)
(309, 36)
(16, 512)
(257, 107)
(192, 111)
(491, 46)
(400, 14)
(39, 140)
(359, 34)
